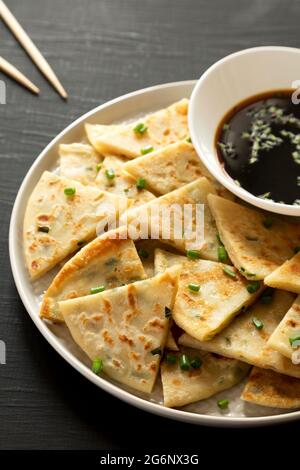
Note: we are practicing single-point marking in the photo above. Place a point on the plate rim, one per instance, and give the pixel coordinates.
(115, 390)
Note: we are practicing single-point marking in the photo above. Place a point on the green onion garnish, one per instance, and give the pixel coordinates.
(147, 149)
(140, 183)
(196, 362)
(257, 323)
(189, 140)
(219, 239)
(194, 287)
(98, 167)
(184, 362)
(246, 273)
(295, 342)
(229, 272)
(110, 174)
(268, 222)
(97, 365)
(143, 253)
(193, 254)
(267, 296)
(96, 290)
(140, 128)
(43, 229)
(156, 351)
(171, 359)
(223, 404)
(168, 312)
(70, 191)
(253, 287)
(222, 254)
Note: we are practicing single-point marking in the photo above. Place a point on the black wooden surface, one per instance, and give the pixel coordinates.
(102, 49)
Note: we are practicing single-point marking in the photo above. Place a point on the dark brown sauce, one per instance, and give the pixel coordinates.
(258, 141)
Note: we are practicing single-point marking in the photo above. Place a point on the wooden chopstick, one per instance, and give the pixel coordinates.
(14, 73)
(31, 49)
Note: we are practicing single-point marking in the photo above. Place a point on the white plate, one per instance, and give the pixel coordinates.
(123, 108)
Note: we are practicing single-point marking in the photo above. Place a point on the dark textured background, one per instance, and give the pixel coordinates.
(101, 49)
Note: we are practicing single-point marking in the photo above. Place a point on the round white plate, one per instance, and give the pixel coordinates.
(124, 108)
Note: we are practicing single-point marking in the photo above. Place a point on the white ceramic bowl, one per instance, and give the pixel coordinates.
(225, 84)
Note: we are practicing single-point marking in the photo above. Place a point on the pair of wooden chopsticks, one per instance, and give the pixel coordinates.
(33, 53)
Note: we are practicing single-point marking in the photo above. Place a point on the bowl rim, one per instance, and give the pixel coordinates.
(115, 390)
(221, 176)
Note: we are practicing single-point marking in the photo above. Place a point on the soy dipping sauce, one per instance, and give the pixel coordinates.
(258, 141)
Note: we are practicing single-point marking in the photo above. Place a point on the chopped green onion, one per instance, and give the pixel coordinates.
(246, 273)
(229, 272)
(97, 365)
(196, 362)
(140, 183)
(147, 149)
(193, 254)
(268, 222)
(44, 229)
(223, 404)
(267, 296)
(253, 287)
(110, 174)
(222, 254)
(140, 128)
(156, 351)
(295, 342)
(194, 287)
(219, 239)
(257, 323)
(70, 191)
(171, 359)
(143, 253)
(96, 290)
(189, 140)
(168, 312)
(296, 249)
(184, 362)
(98, 167)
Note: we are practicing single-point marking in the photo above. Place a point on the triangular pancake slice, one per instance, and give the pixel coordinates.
(112, 178)
(95, 131)
(267, 388)
(244, 341)
(219, 295)
(287, 276)
(156, 130)
(56, 223)
(216, 373)
(79, 162)
(257, 243)
(193, 195)
(168, 168)
(287, 331)
(109, 261)
(125, 327)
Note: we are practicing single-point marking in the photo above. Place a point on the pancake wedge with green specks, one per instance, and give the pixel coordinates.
(216, 373)
(193, 196)
(57, 222)
(287, 276)
(164, 260)
(209, 296)
(113, 179)
(79, 162)
(287, 331)
(267, 388)
(257, 243)
(109, 261)
(169, 168)
(149, 133)
(95, 131)
(125, 327)
(244, 341)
